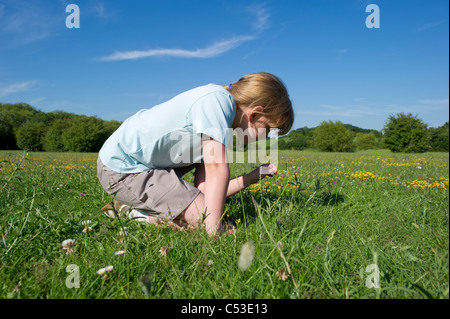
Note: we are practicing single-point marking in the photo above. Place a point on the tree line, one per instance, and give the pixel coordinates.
(24, 127)
(401, 133)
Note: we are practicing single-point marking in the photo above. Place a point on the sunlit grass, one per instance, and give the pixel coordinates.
(315, 227)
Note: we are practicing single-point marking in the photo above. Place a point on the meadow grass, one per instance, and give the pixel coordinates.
(317, 227)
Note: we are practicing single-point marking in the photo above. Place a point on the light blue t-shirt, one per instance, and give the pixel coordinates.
(169, 135)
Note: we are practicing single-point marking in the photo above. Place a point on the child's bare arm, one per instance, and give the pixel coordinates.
(239, 183)
(217, 174)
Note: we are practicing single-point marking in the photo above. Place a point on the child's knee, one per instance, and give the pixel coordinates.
(193, 214)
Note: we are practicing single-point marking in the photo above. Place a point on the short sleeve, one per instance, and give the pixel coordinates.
(213, 115)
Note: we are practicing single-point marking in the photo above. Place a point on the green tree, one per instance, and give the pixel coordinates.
(440, 138)
(294, 140)
(85, 134)
(110, 127)
(333, 137)
(7, 138)
(30, 136)
(12, 116)
(366, 141)
(406, 133)
(53, 138)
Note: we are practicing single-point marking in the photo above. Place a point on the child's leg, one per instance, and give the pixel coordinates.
(193, 214)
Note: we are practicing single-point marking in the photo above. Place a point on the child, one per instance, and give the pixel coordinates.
(142, 162)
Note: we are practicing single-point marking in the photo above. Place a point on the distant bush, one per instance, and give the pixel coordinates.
(333, 137)
(406, 133)
(24, 127)
(365, 141)
(53, 138)
(294, 141)
(12, 116)
(30, 136)
(85, 134)
(439, 138)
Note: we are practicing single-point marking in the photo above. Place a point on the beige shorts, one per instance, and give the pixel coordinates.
(161, 192)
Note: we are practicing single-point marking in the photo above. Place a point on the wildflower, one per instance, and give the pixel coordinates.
(101, 271)
(109, 268)
(163, 250)
(69, 245)
(82, 195)
(86, 224)
(246, 256)
(281, 274)
(120, 252)
(122, 235)
(210, 262)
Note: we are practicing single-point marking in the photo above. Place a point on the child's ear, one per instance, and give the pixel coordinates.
(257, 110)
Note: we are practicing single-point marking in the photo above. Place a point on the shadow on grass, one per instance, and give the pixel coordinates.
(242, 203)
(331, 199)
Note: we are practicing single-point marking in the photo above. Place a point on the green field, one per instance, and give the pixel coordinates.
(328, 225)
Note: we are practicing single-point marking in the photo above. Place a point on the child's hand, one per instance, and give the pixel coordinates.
(262, 172)
(267, 170)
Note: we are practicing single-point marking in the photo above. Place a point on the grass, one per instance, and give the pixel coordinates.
(317, 228)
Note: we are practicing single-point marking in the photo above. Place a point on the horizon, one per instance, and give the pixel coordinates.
(134, 55)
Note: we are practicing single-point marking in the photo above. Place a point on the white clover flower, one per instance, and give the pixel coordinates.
(246, 256)
(122, 232)
(86, 224)
(282, 275)
(163, 250)
(69, 245)
(210, 262)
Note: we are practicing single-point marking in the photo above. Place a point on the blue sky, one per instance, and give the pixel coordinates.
(129, 55)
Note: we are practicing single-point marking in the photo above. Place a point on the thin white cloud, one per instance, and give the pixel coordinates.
(342, 51)
(24, 22)
(261, 17)
(353, 113)
(429, 25)
(443, 102)
(331, 107)
(100, 9)
(432, 105)
(208, 52)
(260, 23)
(16, 87)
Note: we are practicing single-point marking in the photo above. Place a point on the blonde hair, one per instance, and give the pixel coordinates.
(266, 90)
